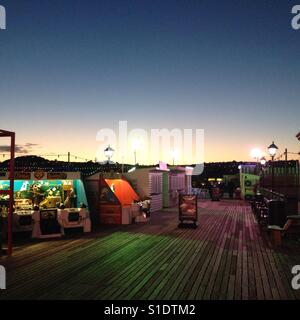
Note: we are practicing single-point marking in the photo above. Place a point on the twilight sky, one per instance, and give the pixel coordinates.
(69, 68)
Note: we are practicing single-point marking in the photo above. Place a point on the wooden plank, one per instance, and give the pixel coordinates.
(216, 264)
(227, 257)
(174, 282)
(205, 271)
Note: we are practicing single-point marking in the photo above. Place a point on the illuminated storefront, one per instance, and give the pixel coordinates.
(45, 190)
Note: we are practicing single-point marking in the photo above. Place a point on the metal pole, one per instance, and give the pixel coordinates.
(272, 181)
(285, 171)
(11, 195)
(135, 157)
(69, 157)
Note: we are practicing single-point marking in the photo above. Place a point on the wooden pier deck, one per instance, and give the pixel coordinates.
(226, 257)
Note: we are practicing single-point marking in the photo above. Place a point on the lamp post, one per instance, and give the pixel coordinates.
(272, 152)
(108, 152)
(122, 164)
(175, 155)
(263, 162)
(134, 152)
(135, 146)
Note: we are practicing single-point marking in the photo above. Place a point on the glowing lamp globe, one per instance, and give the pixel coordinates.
(136, 143)
(272, 149)
(263, 161)
(109, 152)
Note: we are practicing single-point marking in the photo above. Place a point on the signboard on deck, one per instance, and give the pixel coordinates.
(188, 208)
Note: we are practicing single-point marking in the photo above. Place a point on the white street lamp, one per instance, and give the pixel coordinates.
(272, 150)
(263, 161)
(109, 152)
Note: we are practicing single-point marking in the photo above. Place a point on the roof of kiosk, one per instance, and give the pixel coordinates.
(122, 190)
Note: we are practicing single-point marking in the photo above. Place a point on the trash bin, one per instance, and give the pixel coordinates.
(277, 213)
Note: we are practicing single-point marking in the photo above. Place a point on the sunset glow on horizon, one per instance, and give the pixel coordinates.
(156, 64)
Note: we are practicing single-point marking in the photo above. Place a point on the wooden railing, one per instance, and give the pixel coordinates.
(291, 202)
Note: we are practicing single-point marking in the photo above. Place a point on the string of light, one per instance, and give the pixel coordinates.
(62, 155)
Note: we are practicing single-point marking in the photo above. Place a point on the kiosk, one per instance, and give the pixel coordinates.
(148, 182)
(45, 190)
(112, 199)
(116, 197)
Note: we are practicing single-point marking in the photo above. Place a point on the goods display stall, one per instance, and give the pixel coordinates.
(43, 191)
(111, 199)
(161, 185)
(116, 197)
(148, 183)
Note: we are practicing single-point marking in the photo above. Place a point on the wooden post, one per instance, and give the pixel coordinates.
(10, 135)
(285, 172)
(11, 195)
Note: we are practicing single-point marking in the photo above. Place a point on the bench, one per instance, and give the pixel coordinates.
(291, 227)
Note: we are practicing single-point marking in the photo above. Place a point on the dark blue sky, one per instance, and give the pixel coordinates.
(69, 68)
